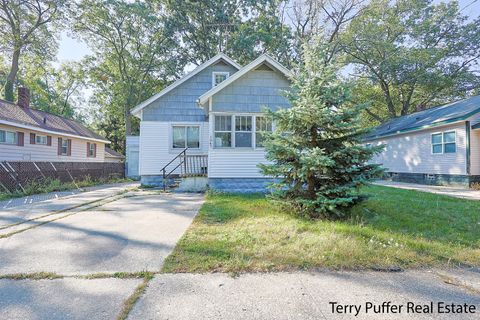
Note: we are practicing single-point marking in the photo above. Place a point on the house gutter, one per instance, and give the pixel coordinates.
(419, 128)
(57, 133)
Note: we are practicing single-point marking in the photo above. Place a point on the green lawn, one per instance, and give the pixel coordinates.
(394, 228)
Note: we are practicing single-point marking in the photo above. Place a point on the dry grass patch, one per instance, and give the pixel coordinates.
(393, 229)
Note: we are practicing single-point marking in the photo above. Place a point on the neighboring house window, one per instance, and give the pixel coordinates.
(444, 142)
(91, 150)
(243, 131)
(8, 137)
(218, 77)
(64, 147)
(186, 137)
(223, 131)
(41, 139)
(263, 125)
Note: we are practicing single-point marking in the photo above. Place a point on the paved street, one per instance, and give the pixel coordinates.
(89, 259)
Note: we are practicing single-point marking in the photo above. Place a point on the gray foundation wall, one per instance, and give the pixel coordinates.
(433, 179)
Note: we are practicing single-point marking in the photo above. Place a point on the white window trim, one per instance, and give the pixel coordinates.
(92, 150)
(39, 135)
(15, 142)
(183, 124)
(233, 115)
(442, 133)
(219, 73)
(255, 130)
(64, 153)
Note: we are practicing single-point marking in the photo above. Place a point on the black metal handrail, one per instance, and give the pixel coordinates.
(165, 176)
(191, 166)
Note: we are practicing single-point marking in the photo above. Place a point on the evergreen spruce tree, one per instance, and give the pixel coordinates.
(316, 151)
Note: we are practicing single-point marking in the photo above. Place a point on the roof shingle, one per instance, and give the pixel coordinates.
(455, 111)
(44, 120)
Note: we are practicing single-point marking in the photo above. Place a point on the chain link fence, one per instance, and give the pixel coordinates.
(16, 175)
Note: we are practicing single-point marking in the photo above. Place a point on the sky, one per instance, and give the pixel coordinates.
(74, 50)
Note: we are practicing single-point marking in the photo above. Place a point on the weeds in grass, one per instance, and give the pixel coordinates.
(32, 276)
(52, 185)
(139, 291)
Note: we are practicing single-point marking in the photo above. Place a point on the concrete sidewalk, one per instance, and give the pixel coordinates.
(299, 295)
(462, 193)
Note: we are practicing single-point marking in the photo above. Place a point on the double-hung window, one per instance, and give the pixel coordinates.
(186, 137)
(243, 131)
(40, 139)
(444, 142)
(263, 126)
(8, 137)
(223, 131)
(64, 147)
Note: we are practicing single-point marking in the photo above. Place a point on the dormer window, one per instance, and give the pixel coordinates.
(218, 77)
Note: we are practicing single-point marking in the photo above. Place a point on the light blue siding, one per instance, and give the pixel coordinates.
(180, 103)
(253, 92)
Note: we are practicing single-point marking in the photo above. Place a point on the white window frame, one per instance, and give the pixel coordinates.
(65, 141)
(91, 150)
(15, 138)
(442, 134)
(44, 138)
(185, 125)
(255, 129)
(215, 73)
(232, 131)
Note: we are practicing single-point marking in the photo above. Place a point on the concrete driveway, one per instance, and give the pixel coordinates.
(90, 262)
(87, 250)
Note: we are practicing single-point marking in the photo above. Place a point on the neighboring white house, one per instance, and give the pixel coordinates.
(216, 111)
(438, 146)
(28, 134)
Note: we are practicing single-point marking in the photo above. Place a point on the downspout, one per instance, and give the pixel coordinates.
(467, 128)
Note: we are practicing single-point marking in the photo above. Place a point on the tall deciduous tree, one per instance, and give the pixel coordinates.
(27, 26)
(135, 54)
(316, 151)
(412, 54)
(242, 29)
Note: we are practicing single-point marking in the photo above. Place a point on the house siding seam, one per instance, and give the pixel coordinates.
(252, 92)
(180, 104)
(38, 152)
(411, 153)
(155, 149)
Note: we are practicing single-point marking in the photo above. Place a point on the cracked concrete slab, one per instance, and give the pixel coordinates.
(67, 298)
(299, 295)
(131, 234)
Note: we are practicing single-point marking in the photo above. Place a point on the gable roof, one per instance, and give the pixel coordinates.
(32, 119)
(452, 112)
(109, 153)
(215, 59)
(252, 65)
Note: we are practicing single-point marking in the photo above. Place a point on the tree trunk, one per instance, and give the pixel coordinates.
(12, 75)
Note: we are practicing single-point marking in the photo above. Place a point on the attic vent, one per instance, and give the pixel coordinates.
(44, 120)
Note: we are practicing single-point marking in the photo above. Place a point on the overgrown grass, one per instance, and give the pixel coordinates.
(393, 228)
(51, 185)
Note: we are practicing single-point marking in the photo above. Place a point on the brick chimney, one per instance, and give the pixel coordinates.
(23, 97)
